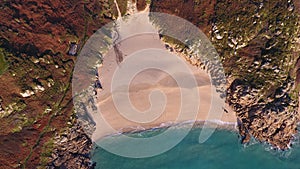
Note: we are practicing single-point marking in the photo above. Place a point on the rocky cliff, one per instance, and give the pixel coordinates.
(258, 43)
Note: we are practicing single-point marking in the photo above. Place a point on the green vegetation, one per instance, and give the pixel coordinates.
(22, 121)
(111, 6)
(46, 152)
(3, 62)
(57, 108)
(172, 40)
(14, 107)
(122, 6)
(256, 45)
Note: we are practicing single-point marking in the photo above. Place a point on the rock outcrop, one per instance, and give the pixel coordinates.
(257, 44)
(73, 149)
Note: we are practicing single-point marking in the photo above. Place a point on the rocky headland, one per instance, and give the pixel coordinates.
(258, 43)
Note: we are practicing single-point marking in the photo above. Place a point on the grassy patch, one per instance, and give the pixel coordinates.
(174, 41)
(122, 6)
(3, 63)
(46, 152)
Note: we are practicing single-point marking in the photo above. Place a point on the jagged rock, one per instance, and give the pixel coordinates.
(72, 150)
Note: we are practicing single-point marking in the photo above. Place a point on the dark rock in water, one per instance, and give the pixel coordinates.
(73, 49)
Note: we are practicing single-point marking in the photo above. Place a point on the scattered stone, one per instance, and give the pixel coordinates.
(73, 49)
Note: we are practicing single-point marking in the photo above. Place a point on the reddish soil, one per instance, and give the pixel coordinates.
(33, 28)
(141, 4)
(199, 15)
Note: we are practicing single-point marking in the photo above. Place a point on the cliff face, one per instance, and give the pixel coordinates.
(35, 93)
(257, 43)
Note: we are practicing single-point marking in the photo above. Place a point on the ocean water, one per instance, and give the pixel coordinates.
(221, 151)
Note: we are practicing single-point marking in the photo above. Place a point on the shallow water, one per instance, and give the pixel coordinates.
(221, 151)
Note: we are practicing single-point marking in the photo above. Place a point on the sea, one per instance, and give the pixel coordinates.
(222, 150)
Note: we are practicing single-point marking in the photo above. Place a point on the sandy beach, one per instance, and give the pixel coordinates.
(140, 88)
(137, 34)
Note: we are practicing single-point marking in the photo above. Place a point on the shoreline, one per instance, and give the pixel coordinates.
(196, 124)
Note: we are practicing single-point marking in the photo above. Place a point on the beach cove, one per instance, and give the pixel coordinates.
(145, 82)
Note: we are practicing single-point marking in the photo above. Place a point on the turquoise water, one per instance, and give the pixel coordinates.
(221, 151)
